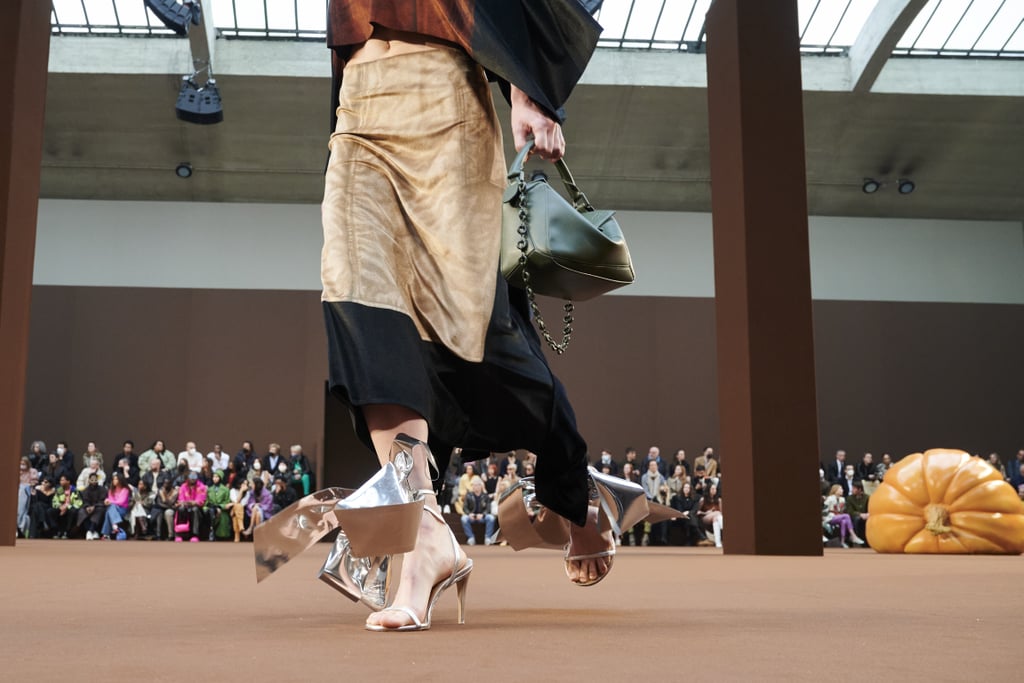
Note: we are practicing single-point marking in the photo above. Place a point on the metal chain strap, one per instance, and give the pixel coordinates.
(523, 245)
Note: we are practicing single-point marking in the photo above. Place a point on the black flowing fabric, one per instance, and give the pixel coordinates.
(509, 400)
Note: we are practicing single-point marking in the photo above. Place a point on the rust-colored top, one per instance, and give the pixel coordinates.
(351, 21)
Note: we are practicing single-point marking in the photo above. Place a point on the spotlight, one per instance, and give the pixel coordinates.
(870, 186)
(183, 170)
(199, 105)
(906, 186)
(174, 15)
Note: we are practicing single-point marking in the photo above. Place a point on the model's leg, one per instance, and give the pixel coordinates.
(431, 560)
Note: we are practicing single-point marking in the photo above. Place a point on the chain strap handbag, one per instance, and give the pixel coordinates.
(555, 248)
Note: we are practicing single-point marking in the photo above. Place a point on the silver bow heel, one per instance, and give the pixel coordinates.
(375, 521)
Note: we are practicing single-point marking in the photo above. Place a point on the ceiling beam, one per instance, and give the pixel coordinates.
(877, 39)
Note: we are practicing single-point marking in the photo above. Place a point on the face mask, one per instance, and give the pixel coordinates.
(256, 465)
(24, 466)
(61, 451)
(282, 468)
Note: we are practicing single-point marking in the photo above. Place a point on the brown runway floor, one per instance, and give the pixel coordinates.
(180, 612)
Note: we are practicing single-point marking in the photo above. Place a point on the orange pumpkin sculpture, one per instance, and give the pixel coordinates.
(945, 501)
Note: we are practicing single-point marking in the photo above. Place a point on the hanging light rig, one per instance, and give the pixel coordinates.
(198, 97)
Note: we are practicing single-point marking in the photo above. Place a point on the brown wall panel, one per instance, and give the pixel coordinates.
(107, 364)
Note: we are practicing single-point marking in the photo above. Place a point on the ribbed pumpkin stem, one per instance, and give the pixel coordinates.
(937, 519)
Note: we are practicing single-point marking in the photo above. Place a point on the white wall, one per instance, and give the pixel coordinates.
(277, 246)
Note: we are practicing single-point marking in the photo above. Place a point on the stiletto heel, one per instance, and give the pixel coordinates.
(458, 578)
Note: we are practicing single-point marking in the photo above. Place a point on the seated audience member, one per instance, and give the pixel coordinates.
(659, 530)
(39, 509)
(299, 482)
(118, 503)
(1017, 480)
(181, 474)
(218, 458)
(273, 458)
(652, 480)
(679, 459)
(463, 486)
(709, 462)
(865, 470)
(654, 455)
(491, 479)
(235, 474)
(709, 513)
(92, 452)
(167, 460)
(509, 459)
(994, 460)
(883, 467)
(66, 503)
(849, 476)
(128, 451)
(143, 499)
(686, 504)
(857, 508)
(67, 458)
(528, 469)
(247, 456)
(630, 459)
(298, 460)
(156, 475)
(605, 463)
(92, 468)
(218, 500)
(281, 494)
(206, 473)
(511, 474)
(161, 516)
(239, 491)
(189, 507)
(259, 506)
(129, 474)
(54, 468)
(834, 513)
(476, 509)
(28, 477)
(257, 472)
(630, 474)
(93, 510)
(37, 455)
(191, 457)
(700, 481)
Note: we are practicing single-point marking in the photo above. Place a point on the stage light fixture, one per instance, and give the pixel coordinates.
(199, 104)
(175, 15)
(870, 186)
(906, 186)
(183, 170)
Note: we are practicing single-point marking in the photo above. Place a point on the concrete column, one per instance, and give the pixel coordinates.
(24, 52)
(767, 402)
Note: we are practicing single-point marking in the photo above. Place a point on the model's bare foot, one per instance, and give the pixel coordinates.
(430, 562)
(590, 552)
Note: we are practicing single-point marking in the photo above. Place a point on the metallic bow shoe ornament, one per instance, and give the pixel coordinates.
(377, 520)
(525, 523)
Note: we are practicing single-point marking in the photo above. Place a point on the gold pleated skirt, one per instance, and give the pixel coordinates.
(412, 199)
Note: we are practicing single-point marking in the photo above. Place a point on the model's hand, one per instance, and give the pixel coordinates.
(529, 120)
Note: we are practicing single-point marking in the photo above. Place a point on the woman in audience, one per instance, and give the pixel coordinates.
(709, 512)
(161, 516)
(39, 509)
(37, 455)
(54, 468)
(686, 504)
(118, 502)
(676, 481)
(259, 505)
(157, 450)
(143, 499)
(93, 468)
(92, 452)
(235, 474)
(834, 513)
(237, 495)
(218, 500)
(883, 467)
(66, 503)
(28, 477)
(257, 472)
(206, 472)
(464, 484)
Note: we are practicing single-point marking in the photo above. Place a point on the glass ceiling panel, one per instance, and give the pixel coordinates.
(966, 28)
(975, 28)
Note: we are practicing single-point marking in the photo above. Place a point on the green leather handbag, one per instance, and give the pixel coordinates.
(555, 248)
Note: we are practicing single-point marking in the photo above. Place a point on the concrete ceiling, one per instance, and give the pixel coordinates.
(114, 136)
